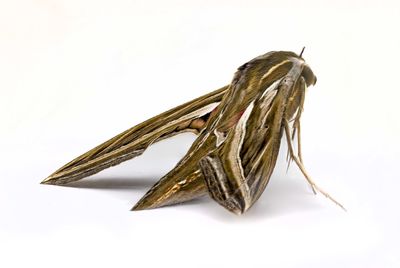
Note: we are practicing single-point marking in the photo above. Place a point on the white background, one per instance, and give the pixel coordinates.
(75, 73)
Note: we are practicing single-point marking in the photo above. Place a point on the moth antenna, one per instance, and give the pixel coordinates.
(301, 53)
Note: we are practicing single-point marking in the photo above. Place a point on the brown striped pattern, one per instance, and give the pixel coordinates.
(239, 126)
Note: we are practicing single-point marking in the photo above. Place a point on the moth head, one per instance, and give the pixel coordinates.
(308, 75)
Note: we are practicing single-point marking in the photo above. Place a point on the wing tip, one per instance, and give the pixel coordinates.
(139, 206)
(48, 180)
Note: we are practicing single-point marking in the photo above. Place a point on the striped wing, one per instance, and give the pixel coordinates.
(190, 116)
(238, 171)
(241, 92)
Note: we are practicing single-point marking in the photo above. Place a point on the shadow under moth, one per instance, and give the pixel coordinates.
(239, 128)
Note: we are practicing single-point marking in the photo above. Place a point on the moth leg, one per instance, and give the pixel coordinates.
(290, 151)
(302, 168)
(299, 154)
(296, 123)
(296, 130)
(297, 126)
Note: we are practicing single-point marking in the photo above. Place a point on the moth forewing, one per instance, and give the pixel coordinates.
(133, 142)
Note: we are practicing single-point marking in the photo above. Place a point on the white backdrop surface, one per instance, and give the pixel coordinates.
(75, 73)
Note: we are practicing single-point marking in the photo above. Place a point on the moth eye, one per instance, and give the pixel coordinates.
(309, 76)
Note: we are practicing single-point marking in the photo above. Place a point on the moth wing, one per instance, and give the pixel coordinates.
(249, 83)
(133, 142)
(230, 172)
(237, 173)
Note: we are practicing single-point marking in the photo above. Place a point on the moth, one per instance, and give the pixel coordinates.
(239, 128)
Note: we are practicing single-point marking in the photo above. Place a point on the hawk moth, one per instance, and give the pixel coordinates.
(239, 128)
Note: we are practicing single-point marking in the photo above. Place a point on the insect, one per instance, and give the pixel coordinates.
(239, 128)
